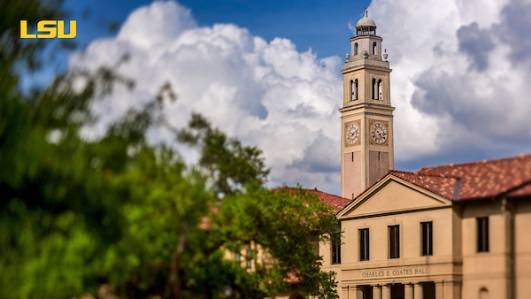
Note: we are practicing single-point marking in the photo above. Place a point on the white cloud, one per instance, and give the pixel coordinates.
(267, 94)
(454, 84)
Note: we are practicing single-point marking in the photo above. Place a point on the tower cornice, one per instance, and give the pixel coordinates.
(366, 63)
(356, 37)
(366, 106)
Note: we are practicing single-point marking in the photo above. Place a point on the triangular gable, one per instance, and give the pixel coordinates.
(392, 194)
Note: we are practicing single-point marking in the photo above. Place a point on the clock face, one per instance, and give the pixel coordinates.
(352, 133)
(379, 132)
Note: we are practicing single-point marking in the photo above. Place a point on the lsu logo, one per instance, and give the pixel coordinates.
(48, 29)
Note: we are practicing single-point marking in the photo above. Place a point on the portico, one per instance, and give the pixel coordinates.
(397, 290)
(400, 282)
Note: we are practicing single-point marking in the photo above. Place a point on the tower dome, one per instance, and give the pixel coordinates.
(366, 25)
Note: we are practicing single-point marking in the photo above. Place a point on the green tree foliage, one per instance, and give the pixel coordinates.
(120, 216)
(230, 165)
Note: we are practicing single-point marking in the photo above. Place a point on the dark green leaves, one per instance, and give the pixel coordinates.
(231, 166)
(121, 216)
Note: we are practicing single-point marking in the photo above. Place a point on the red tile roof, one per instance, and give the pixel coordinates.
(335, 201)
(474, 180)
(441, 185)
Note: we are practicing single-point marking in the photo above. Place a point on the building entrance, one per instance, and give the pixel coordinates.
(428, 290)
(397, 291)
(366, 292)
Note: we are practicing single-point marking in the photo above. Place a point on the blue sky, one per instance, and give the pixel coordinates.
(321, 25)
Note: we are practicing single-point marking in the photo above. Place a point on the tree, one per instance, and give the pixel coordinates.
(119, 214)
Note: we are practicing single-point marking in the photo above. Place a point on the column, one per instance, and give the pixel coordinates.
(418, 290)
(386, 291)
(452, 289)
(359, 292)
(376, 292)
(408, 291)
(344, 292)
(508, 227)
(352, 292)
(439, 291)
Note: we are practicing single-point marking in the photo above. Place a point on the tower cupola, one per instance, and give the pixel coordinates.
(364, 42)
(366, 25)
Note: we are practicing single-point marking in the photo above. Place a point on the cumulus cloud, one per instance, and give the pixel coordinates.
(460, 71)
(267, 94)
(459, 82)
(476, 43)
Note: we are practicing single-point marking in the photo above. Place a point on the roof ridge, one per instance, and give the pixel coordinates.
(517, 187)
(309, 190)
(324, 192)
(520, 156)
(417, 173)
(401, 171)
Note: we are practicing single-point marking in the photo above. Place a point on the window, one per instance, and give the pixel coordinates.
(394, 241)
(374, 48)
(356, 49)
(336, 248)
(483, 293)
(354, 90)
(427, 238)
(364, 244)
(482, 237)
(373, 89)
(380, 90)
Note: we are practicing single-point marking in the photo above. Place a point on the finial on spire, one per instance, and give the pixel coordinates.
(366, 12)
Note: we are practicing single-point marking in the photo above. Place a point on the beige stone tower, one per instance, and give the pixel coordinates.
(367, 114)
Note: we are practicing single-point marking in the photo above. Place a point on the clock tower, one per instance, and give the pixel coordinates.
(366, 113)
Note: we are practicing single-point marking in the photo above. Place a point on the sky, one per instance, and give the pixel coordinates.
(269, 73)
(315, 24)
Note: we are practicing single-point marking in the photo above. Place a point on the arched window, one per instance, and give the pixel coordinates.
(374, 48)
(356, 49)
(380, 90)
(353, 90)
(374, 89)
(483, 293)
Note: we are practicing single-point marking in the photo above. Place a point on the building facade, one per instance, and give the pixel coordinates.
(451, 231)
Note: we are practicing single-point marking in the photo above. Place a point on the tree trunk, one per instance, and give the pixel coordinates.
(174, 281)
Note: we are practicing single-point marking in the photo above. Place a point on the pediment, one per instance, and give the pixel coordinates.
(392, 195)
